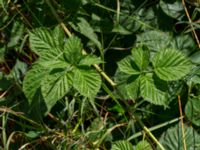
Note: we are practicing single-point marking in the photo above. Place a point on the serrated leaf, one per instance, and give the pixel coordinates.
(154, 40)
(122, 145)
(173, 8)
(47, 44)
(184, 42)
(87, 81)
(132, 86)
(141, 58)
(192, 111)
(41, 40)
(72, 50)
(128, 66)
(85, 28)
(32, 81)
(172, 139)
(54, 86)
(59, 36)
(150, 93)
(170, 64)
(143, 145)
(90, 60)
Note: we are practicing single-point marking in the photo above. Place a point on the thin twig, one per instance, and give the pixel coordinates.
(190, 21)
(155, 128)
(148, 132)
(182, 124)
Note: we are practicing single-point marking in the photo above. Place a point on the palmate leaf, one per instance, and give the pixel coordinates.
(86, 81)
(122, 145)
(55, 86)
(149, 91)
(170, 64)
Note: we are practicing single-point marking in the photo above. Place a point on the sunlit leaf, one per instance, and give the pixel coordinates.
(143, 145)
(149, 91)
(54, 86)
(87, 81)
(90, 60)
(141, 57)
(128, 66)
(32, 81)
(72, 50)
(170, 64)
(122, 145)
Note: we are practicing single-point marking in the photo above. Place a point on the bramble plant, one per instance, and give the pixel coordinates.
(90, 74)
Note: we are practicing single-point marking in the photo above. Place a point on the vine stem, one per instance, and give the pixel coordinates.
(182, 124)
(149, 133)
(113, 84)
(155, 127)
(190, 21)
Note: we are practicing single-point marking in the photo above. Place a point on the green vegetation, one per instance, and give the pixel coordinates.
(91, 74)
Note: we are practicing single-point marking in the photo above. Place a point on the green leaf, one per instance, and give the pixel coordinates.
(170, 64)
(195, 58)
(16, 34)
(183, 42)
(173, 8)
(192, 111)
(59, 36)
(143, 145)
(122, 145)
(32, 81)
(85, 28)
(132, 86)
(172, 139)
(42, 40)
(73, 50)
(48, 45)
(149, 91)
(128, 66)
(90, 60)
(87, 81)
(154, 40)
(141, 58)
(54, 86)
